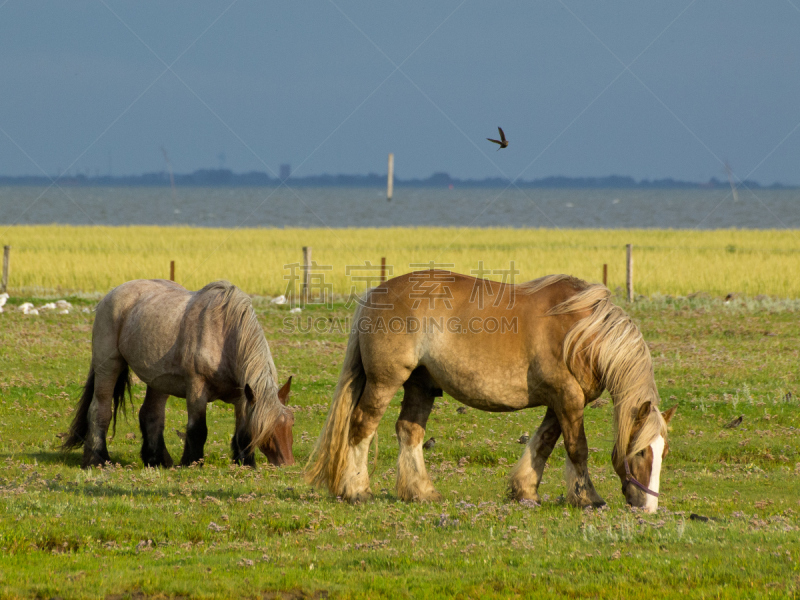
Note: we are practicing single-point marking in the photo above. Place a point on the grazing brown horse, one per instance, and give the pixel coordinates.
(202, 346)
(556, 342)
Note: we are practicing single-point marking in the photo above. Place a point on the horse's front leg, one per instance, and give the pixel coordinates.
(580, 490)
(196, 429)
(527, 473)
(240, 443)
(151, 423)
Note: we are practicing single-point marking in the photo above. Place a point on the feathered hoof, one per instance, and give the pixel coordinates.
(432, 496)
(358, 497)
(94, 459)
(583, 501)
(412, 495)
(520, 495)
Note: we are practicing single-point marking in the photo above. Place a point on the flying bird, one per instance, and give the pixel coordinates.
(502, 142)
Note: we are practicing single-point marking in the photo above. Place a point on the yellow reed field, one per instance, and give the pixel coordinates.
(63, 259)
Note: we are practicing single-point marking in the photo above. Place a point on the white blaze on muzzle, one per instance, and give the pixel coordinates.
(655, 473)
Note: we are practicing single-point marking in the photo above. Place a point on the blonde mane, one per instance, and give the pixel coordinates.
(621, 359)
(531, 287)
(253, 364)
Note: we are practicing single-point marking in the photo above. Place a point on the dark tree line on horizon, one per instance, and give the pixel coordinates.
(227, 178)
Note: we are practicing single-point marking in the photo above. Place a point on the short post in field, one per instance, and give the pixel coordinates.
(306, 274)
(390, 178)
(629, 278)
(172, 270)
(605, 274)
(6, 268)
(383, 269)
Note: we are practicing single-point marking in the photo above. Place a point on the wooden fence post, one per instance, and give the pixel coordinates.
(605, 274)
(6, 268)
(629, 278)
(390, 178)
(172, 270)
(383, 269)
(306, 274)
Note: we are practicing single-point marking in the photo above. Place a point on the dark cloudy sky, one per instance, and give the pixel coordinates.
(582, 88)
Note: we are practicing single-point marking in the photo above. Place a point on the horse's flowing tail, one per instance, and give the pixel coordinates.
(329, 457)
(79, 427)
(615, 348)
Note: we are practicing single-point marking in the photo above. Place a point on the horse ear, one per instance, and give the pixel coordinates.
(283, 393)
(644, 410)
(248, 393)
(668, 414)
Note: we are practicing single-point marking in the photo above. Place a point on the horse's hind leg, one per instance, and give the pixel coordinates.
(413, 482)
(527, 474)
(95, 451)
(580, 490)
(240, 444)
(363, 423)
(151, 422)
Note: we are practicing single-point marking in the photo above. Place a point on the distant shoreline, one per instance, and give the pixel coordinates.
(222, 178)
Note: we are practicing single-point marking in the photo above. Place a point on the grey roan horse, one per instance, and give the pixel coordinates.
(202, 346)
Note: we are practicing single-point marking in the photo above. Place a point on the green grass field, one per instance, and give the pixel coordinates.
(226, 532)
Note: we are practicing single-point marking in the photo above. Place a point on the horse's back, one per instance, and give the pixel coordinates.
(490, 344)
(140, 320)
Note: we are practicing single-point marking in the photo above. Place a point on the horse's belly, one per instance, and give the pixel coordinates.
(167, 384)
(497, 391)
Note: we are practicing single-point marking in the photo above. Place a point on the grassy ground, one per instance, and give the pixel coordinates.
(95, 259)
(220, 531)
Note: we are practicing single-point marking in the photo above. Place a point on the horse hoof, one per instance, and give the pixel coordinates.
(598, 504)
(359, 498)
(432, 496)
(520, 495)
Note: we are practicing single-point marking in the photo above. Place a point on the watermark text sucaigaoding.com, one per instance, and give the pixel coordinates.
(401, 325)
(430, 285)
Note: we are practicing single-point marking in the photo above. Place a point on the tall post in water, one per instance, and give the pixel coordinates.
(629, 278)
(390, 178)
(6, 267)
